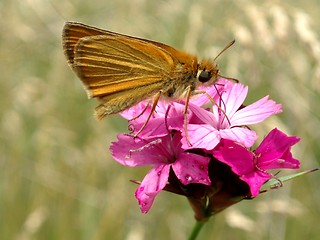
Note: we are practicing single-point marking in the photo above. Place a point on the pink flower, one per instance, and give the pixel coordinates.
(167, 116)
(217, 125)
(163, 153)
(273, 153)
(219, 148)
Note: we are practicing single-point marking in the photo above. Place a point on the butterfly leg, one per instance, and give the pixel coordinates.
(154, 105)
(188, 95)
(140, 114)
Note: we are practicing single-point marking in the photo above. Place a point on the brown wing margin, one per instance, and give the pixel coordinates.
(74, 31)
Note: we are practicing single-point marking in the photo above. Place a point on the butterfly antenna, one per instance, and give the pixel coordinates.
(225, 48)
(229, 78)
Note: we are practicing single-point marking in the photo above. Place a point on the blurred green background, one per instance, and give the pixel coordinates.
(57, 178)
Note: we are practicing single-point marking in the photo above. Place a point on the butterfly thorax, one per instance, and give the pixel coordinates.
(190, 74)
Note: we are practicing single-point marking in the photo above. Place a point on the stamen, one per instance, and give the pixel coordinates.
(213, 102)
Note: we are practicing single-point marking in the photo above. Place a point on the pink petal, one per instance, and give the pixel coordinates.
(175, 118)
(236, 156)
(156, 127)
(204, 115)
(233, 99)
(167, 116)
(241, 162)
(274, 151)
(256, 112)
(255, 180)
(240, 135)
(138, 114)
(130, 151)
(200, 136)
(155, 180)
(192, 168)
(221, 82)
(286, 161)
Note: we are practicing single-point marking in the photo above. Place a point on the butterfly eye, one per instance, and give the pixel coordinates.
(204, 76)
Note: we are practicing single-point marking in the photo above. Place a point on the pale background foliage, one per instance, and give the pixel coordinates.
(57, 178)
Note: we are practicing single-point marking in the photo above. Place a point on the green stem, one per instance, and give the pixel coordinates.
(196, 229)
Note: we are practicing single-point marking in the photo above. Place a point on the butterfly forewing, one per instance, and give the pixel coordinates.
(118, 70)
(72, 32)
(121, 70)
(109, 64)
